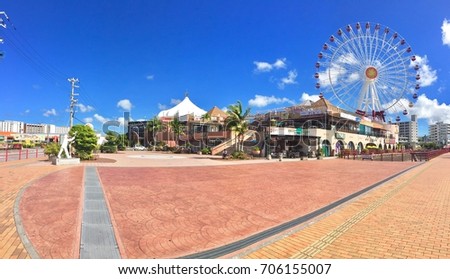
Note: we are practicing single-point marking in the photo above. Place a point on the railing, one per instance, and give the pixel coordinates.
(394, 155)
(227, 144)
(20, 154)
(427, 155)
(378, 155)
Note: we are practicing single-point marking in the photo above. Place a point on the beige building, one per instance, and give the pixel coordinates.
(439, 133)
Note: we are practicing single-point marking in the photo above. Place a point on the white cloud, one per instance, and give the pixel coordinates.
(262, 101)
(446, 32)
(290, 79)
(306, 97)
(261, 66)
(124, 104)
(150, 77)
(100, 118)
(122, 120)
(280, 63)
(50, 112)
(84, 108)
(337, 71)
(427, 75)
(175, 101)
(429, 109)
(88, 120)
(162, 107)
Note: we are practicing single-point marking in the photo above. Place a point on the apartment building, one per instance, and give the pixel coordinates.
(409, 132)
(439, 133)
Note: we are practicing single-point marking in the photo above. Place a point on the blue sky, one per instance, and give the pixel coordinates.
(142, 55)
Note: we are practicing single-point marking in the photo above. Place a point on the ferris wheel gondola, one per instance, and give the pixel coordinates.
(369, 69)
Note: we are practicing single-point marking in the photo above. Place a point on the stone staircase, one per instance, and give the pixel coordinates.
(230, 143)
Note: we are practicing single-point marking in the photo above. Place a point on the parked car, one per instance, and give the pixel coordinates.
(140, 148)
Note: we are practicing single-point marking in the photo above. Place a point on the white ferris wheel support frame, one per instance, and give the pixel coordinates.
(376, 68)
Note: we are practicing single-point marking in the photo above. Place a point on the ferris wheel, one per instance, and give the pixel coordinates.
(370, 69)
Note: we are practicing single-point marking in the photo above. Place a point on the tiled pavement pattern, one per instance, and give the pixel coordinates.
(13, 177)
(50, 211)
(408, 217)
(172, 211)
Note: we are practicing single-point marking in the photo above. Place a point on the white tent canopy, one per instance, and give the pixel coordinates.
(185, 107)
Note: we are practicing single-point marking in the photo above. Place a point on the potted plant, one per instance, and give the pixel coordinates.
(256, 151)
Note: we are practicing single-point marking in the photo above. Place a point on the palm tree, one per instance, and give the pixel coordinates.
(206, 117)
(154, 126)
(236, 121)
(177, 128)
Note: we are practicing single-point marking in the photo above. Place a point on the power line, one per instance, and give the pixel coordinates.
(31, 56)
(2, 24)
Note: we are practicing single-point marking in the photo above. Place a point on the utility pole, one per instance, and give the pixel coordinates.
(73, 101)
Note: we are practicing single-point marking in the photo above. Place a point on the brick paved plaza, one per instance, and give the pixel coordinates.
(167, 206)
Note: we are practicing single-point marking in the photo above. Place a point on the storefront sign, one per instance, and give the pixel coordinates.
(311, 112)
(340, 136)
(282, 131)
(348, 116)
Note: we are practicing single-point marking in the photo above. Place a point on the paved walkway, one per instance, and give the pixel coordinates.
(174, 205)
(14, 176)
(408, 217)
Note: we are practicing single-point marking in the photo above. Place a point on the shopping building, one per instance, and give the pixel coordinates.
(18, 131)
(320, 126)
(198, 128)
(295, 131)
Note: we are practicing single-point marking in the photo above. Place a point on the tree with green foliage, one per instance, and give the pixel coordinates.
(177, 128)
(206, 117)
(236, 122)
(114, 142)
(122, 142)
(52, 149)
(153, 127)
(430, 145)
(85, 141)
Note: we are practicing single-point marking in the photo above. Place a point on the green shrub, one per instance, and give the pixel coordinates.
(206, 150)
(52, 149)
(108, 148)
(28, 145)
(84, 155)
(240, 155)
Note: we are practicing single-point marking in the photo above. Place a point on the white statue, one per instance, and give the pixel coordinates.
(65, 144)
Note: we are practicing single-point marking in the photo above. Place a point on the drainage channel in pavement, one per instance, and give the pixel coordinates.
(97, 234)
